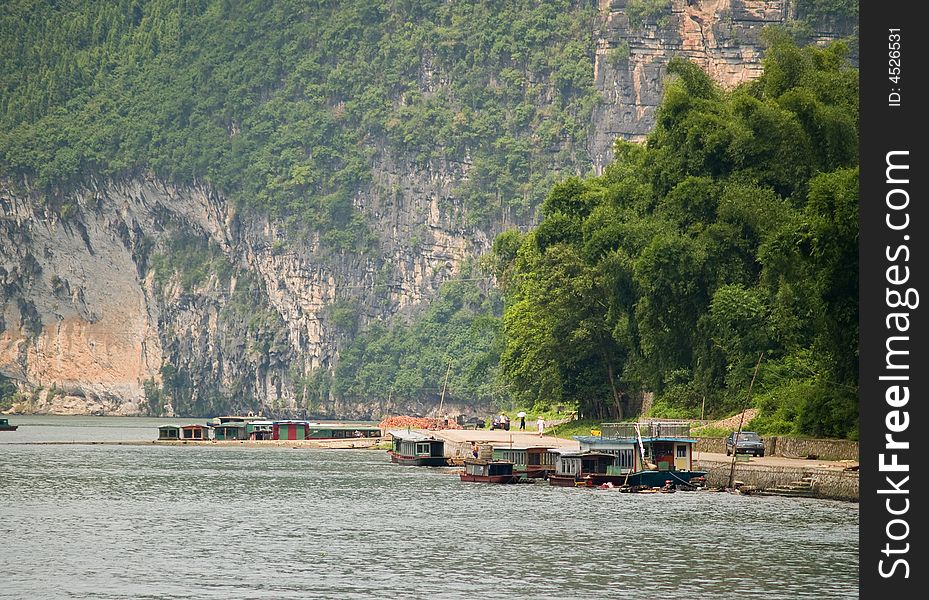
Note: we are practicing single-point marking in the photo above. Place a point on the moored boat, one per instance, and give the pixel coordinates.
(5, 425)
(411, 448)
(488, 471)
(580, 469)
(636, 455)
(532, 462)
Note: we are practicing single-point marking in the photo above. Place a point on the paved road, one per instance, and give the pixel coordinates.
(776, 461)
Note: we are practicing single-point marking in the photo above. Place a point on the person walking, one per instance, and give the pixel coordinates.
(541, 424)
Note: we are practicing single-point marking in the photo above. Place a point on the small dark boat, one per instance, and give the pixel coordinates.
(488, 471)
(5, 425)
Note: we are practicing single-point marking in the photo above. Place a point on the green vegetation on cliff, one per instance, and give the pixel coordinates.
(733, 232)
(458, 334)
(286, 105)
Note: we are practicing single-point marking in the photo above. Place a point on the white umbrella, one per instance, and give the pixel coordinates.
(521, 414)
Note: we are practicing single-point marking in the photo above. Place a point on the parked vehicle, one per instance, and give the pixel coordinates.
(500, 422)
(749, 443)
(471, 423)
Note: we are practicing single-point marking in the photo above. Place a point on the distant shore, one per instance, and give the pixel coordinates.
(362, 443)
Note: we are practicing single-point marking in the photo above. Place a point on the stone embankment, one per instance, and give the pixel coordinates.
(782, 476)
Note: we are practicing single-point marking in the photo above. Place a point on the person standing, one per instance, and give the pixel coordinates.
(541, 424)
(522, 422)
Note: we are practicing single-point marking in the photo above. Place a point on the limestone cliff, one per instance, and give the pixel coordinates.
(722, 36)
(87, 323)
(96, 318)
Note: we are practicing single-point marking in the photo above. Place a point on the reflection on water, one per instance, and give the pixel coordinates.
(85, 521)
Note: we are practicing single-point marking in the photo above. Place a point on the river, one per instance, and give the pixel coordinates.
(162, 522)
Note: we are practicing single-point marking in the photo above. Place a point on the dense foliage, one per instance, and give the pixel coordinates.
(286, 105)
(732, 233)
(457, 336)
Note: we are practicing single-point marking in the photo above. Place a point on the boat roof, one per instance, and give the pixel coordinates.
(596, 439)
(521, 448)
(574, 454)
(413, 436)
(233, 424)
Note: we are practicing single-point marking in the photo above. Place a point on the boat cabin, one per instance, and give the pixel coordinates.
(415, 448)
(575, 468)
(488, 471)
(259, 430)
(337, 431)
(533, 462)
(289, 430)
(231, 430)
(169, 432)
(5, 425)
(199, 433)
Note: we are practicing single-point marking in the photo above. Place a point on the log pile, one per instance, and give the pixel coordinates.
(405, 421)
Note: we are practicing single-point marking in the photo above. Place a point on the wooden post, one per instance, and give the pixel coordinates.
(444, 386)
(735, 442)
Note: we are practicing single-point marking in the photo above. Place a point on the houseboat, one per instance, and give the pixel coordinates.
(417, 449)
(643, 454)
(229, 431)
(169, 433)
(574, 469)
(339, 431)
(5, 425)
(195, 433)
(533, 462)
(488, 471)
(259, 430)
(289, 430)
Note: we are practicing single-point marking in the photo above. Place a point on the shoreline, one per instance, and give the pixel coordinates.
(346, 444)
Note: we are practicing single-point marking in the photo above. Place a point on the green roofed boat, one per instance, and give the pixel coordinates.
(652, 454)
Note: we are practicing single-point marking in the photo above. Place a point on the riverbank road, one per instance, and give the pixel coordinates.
(777, 461)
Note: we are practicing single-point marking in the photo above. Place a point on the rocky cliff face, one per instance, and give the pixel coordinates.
(88, 326)
(722, 36)
(97, 315)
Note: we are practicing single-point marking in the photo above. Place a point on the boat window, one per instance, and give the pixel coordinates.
(682, 451)
(624, 458)
(422, 449)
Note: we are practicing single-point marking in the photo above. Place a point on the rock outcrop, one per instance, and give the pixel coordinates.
(722, 36)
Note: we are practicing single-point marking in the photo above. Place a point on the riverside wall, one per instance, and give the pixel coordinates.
(829, 483)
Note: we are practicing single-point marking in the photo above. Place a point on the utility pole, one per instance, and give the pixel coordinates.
(735, 442)
(445, 386)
